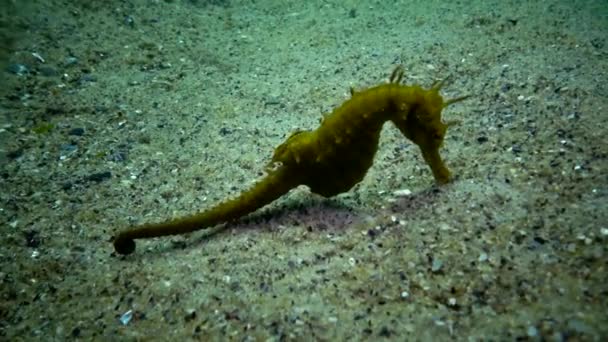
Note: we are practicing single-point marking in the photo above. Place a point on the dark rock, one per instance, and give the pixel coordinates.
(48, 71)
(32, 239)
(99, 176)
(76, 131)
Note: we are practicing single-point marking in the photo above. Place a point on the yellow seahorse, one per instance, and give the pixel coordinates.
(331, 159)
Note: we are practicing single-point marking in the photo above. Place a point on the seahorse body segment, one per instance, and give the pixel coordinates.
(331, 159)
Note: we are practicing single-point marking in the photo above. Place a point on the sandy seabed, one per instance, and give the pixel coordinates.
(116, 113)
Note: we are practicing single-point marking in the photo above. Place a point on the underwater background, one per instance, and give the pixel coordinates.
(116, 113)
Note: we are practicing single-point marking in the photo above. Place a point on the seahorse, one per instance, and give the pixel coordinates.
(330, 159)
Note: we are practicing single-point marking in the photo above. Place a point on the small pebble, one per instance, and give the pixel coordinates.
(352, 261)
(483, 257)
(38, 57)
(436, 266)
(69, 61)
(126, 317)
(17, 69)
(402, 192)
(67, 150)
(129, 21)
(532, 331)
(190, 315)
